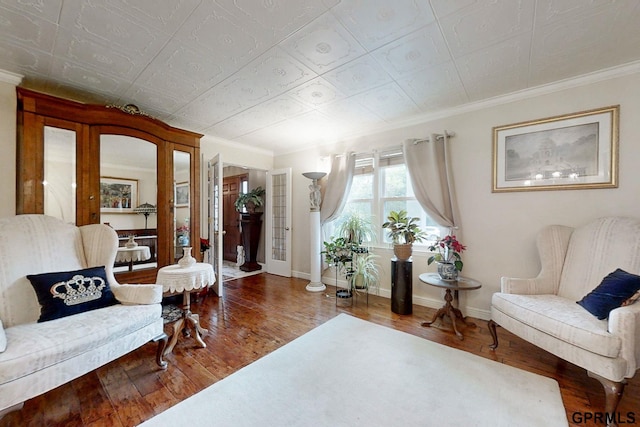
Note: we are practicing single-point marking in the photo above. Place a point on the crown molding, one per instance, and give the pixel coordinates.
(233, 144)
(11, 78)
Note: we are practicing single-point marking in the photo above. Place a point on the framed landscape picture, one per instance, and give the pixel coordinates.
(573, 151)
(182, 194)
(118, 195)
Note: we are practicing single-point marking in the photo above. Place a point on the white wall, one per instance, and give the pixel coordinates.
(499, 229)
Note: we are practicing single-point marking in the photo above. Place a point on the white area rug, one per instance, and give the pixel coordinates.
(350, 372)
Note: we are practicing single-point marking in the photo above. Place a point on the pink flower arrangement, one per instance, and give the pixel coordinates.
(448, 250)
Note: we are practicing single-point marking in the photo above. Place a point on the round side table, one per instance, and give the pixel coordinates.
(129, 255)
(462, 284)
(175, 278)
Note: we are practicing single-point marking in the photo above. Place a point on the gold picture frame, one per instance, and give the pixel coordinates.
(568, 152)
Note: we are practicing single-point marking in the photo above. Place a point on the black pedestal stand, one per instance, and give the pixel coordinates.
(401, 286)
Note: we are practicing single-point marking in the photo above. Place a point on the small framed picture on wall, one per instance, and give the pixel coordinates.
(182, 194)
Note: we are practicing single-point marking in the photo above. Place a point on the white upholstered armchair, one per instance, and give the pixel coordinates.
(36, 355)
(544, 311)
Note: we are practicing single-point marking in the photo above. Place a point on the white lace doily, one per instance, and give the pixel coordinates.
(174, 278)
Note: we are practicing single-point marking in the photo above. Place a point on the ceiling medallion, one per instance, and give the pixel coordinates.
(130, 109)
(323, 47)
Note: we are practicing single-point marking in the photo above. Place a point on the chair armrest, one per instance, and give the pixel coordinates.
(624, 322)
(537, 286)
(137, 294)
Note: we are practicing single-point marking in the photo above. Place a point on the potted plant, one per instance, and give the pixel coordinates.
(251, 201)
(364, 273)
(356, 228)
(447, 254)
(251, 222)
(403, 231)
(338, 252)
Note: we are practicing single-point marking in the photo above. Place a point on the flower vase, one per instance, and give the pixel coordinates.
(131, 243)
(187, 260)
(447, 271)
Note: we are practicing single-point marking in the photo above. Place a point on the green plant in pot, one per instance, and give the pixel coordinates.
(364, 272)
(251, 200)
(338, 252)
(403, 231)
(356, 228)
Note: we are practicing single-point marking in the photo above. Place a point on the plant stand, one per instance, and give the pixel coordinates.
(343, 293)
(401, 286)
(251, 229)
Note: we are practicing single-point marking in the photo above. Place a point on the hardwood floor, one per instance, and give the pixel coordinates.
(257, 315)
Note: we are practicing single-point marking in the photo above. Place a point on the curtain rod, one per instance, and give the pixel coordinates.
(438, 136)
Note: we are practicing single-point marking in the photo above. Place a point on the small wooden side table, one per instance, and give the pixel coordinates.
(462, 284)
(175, 278)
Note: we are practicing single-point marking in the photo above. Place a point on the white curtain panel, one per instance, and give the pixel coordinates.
(430, 173)
(337, 186)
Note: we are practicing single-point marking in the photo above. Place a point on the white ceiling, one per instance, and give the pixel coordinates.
(287, 74)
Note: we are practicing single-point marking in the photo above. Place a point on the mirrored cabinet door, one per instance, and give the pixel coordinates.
(128, 198)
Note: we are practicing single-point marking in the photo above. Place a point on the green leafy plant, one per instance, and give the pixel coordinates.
(251, 200)
(447, 249)
(356, 228)
(364, 272)
(338, 252)
(403, 229)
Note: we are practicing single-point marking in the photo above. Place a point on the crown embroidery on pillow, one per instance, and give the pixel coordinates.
(79, 289)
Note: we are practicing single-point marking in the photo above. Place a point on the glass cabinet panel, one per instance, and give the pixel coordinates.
(60, 173)
(182, 204)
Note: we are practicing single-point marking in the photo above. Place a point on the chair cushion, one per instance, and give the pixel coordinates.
(561, 318)
(36, 346)
(612, 292)
(66, 293)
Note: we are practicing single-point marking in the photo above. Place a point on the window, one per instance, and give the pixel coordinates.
(380, 185)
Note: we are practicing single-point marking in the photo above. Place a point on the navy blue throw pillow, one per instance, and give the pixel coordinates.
(66, 293)
(614, 289)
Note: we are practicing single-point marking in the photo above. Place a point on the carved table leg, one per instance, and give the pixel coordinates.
(450, 311)
(195, 322)
(177, 327)
(439, 314)
(182, 325)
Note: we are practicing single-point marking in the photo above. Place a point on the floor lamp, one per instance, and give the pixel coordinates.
(145, 209)
(315, 285)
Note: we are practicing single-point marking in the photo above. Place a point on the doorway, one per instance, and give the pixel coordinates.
(231, 188)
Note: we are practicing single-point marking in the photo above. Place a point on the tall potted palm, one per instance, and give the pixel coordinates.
(251, 222)
(403, 231)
